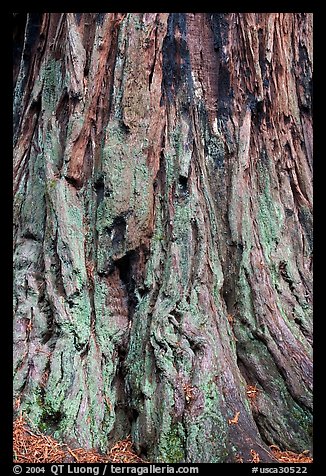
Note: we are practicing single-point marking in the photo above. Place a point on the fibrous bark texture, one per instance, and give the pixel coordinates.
(163, 231)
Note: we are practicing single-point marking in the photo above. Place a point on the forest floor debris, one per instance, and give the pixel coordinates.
(252, 392)
(290, 456)
(32, 446)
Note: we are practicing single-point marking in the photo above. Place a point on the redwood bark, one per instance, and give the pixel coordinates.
(163, 231)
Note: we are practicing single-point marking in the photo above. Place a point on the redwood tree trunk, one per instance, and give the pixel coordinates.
(163, 231)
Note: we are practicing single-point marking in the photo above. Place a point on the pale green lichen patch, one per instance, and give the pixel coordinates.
(127, 194)
(209, 426)
(270, 214)
(172, 445)
(52, 84)
(62, 374)
(33, 206)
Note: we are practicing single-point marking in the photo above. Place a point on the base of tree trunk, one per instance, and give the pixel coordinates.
(163, 231)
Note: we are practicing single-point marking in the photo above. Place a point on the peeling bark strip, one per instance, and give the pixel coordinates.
(163, 231)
